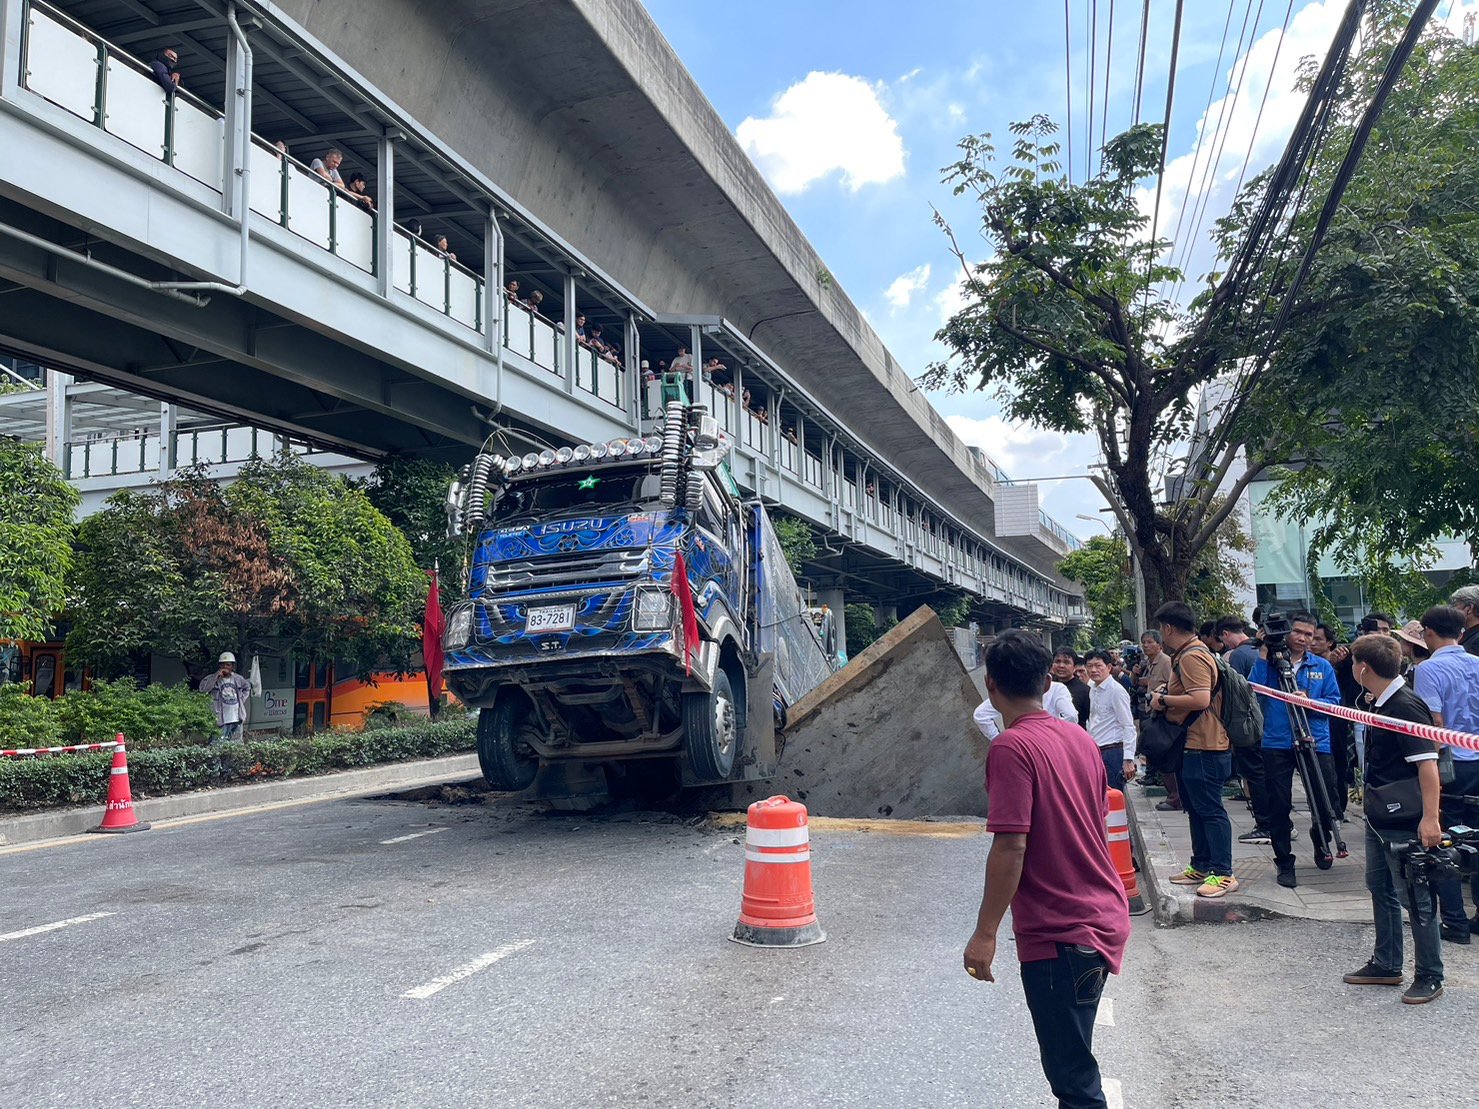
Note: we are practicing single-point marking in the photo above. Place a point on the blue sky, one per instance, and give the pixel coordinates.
(851, 108)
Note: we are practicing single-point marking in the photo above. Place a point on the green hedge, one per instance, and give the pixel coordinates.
(155, 716)
(41, 783)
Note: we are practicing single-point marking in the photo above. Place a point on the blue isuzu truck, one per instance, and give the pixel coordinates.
(629, 614)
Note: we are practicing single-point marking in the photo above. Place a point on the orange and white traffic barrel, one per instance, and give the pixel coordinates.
(777, 908)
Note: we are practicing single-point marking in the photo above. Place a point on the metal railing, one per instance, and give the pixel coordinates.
(441, 282)
(77, 70)
(205, 444)
(598, 376)
(291, 194)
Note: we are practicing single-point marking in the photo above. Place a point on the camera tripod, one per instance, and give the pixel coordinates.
(1324, 826)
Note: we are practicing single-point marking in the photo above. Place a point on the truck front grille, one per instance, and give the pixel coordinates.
(565, 569)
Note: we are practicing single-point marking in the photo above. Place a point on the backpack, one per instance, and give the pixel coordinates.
(1241, 716)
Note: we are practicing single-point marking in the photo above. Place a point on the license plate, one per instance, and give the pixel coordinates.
(554, 618)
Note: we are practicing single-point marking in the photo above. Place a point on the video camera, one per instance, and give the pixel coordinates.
(1455, 856)
(1130, 654)
(1276, 627)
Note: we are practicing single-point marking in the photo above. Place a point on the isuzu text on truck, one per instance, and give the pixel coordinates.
(626, 611)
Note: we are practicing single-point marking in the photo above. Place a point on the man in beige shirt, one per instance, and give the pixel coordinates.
(1192, 697)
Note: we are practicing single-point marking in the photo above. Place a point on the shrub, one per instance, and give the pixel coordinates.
(40, 783)
(27, 721)
(155, 716)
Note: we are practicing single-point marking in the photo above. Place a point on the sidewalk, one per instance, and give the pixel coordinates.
(1163, 840)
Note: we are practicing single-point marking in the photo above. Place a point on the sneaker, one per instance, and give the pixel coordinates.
(1373, 975)
(1455, 935)
(1286, 877)
(1422, 991)
(1166, 806)
(1188, 877)
(1217, 885)
(1257, 835)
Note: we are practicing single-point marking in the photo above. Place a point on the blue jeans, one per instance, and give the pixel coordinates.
(1458, 811)
(1203, 774)
(1063, 996)
(230, 733)
(1389, 896)
(1114, 765)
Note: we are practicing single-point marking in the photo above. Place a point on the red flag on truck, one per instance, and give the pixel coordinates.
(432, 626)
(679, 586)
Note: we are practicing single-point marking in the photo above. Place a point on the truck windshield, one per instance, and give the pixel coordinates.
(579, 492)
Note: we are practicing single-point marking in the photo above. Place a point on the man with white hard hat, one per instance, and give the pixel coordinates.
(230, 694)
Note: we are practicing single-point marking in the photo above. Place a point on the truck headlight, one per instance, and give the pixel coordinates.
(653, 610)
(459, 629)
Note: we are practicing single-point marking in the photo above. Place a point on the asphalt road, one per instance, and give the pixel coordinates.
(397, 953)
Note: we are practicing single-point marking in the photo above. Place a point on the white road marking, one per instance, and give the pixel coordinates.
(413, 835)
(53, 926)
(1114, 1094)
(1104, 1018)
(466, 970)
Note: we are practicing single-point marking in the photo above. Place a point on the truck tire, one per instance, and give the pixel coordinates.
(504, 754)
(711, 729)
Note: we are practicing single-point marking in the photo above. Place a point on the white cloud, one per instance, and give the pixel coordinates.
(903, 288)
(826, 123)
(951, 299)
(1024, 451)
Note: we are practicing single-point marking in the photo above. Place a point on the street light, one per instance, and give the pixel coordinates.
(1139, 580)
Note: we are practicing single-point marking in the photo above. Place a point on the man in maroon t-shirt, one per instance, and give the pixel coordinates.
(1050, 863)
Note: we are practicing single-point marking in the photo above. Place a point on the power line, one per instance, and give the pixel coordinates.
(1225, 116)
(1093, 14)
(1267, 87)
(1108, 69)
(1207, 111)
(1140, 62)
(1160, 182)
(1068, 82)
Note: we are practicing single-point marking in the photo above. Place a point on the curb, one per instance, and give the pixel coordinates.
(321, 787)
(1171, 905)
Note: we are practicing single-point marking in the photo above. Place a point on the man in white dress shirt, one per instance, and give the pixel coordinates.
(1111, 721)
(1057, 701)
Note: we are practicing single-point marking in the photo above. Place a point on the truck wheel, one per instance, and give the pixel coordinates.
(507, 760)
(711, 729)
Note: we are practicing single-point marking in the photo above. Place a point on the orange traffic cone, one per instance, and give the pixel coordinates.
(777, 908)
(118, 814)
(1117, 828)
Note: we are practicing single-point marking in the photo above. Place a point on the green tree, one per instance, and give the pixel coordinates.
(862, 628)
(1375, 380)
(797, 540)
(286, 553)
(36, 508)
(1102, 567)
(411, 492)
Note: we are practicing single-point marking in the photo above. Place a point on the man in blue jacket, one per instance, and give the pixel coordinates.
(1316, 681)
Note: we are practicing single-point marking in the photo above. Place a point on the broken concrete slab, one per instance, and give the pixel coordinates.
(888, 735)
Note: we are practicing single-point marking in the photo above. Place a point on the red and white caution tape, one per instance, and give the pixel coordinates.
(75, 748)
(1422, 731)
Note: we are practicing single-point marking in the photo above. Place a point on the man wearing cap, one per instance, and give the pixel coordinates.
(230, 695)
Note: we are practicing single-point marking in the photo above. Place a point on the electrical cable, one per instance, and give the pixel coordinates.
(1068, 83)
(1108, 69)
(1093, 14)
(1262, 104)
(1140, 63)
(1155, 217)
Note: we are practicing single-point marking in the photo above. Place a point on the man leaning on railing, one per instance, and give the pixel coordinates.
(163, 70)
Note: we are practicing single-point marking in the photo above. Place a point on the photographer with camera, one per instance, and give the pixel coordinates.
(1152, 672)
(1448, 682)
(1314, 680)
(1192, 701)
(1401, 805)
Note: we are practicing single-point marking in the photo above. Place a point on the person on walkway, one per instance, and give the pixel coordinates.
(165, 70)
(1324, 643)
(1152, 673)
(1393, 758)
(1049, 862)
(1315, 679)
(1448, 683)
(1241, 653)
(1466, 600)
(1055, 702)
(1111, 722)
(230, 695)
(1065, 670)
(1191, 698)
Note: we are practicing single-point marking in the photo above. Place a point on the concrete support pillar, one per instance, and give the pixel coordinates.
(832, 598)
(886, 614)
(10, 46)
(385, 213)
(570, 344)
(58, 418)
(169, 447)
